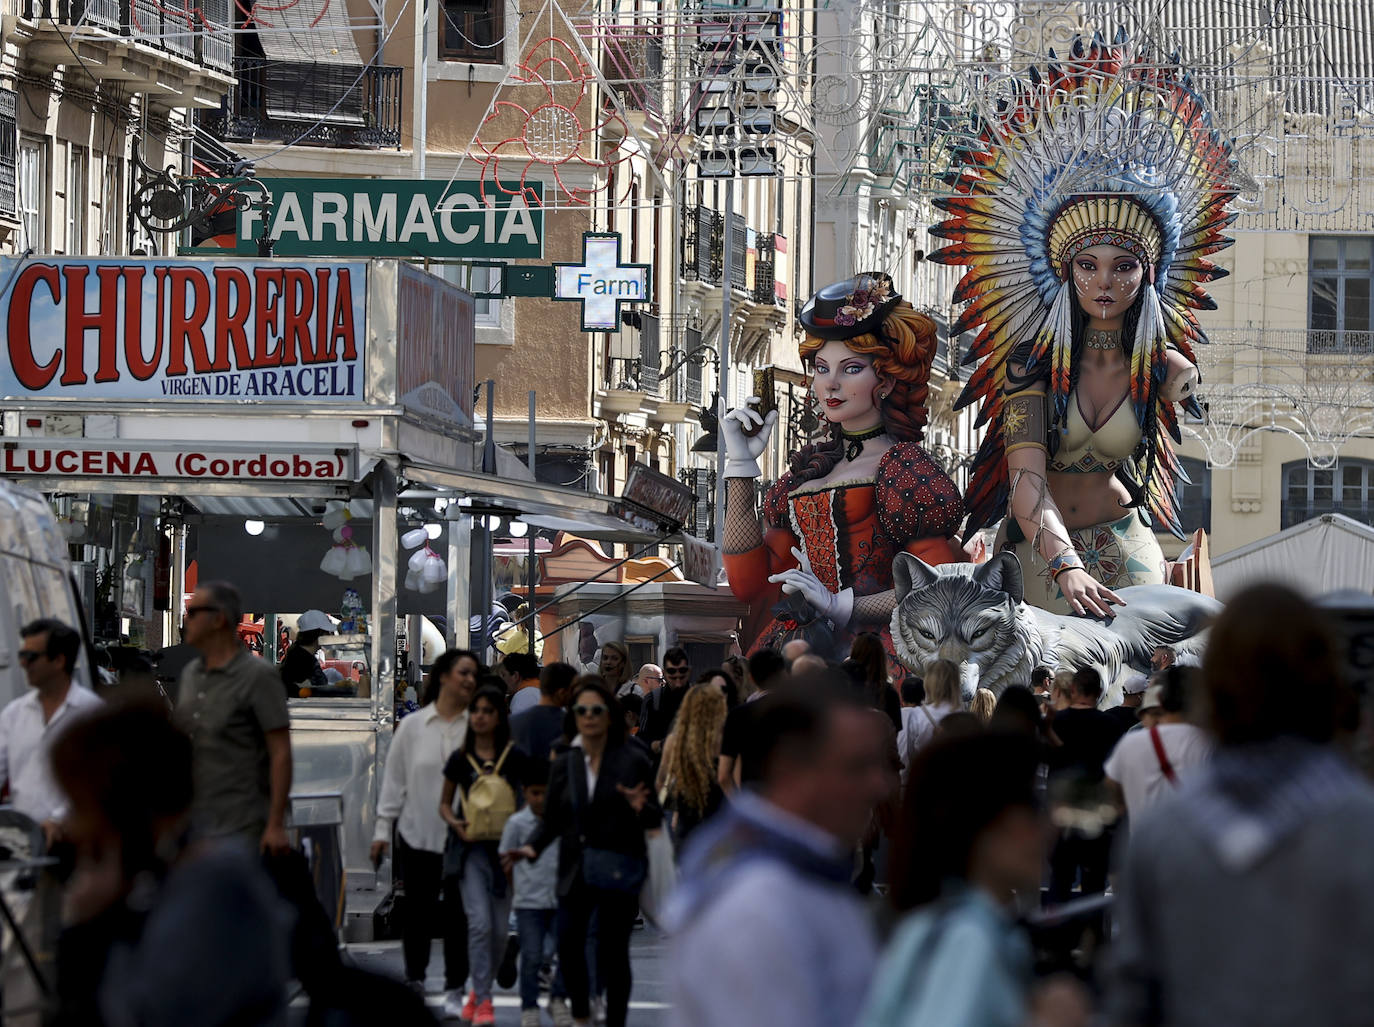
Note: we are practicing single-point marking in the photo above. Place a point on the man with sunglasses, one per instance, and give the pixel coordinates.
(30, 724)
(662, 704)
(232, 705)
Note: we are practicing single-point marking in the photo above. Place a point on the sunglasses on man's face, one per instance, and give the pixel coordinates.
(29, 655)
(677, 672)
(595, 710)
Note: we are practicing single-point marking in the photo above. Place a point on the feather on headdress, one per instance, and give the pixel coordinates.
(1105, 148)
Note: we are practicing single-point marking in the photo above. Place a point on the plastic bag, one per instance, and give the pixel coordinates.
(662, 876)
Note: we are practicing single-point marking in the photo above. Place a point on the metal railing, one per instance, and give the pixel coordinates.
(343, 108)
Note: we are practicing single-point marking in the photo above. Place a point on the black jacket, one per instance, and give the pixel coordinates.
(607, 821)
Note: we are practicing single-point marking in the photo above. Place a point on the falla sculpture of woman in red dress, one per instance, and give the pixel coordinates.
(820, 557)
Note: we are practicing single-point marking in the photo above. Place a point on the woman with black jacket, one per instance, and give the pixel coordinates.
(600, 803)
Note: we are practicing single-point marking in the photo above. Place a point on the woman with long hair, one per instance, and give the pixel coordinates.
(819, 563)
(600, 804)
(1086, 255)
(687, 776)
(491, 762)
(869, 654)
(920, 722)
(411, 787)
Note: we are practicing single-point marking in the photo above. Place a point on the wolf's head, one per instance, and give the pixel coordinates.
(965, 613)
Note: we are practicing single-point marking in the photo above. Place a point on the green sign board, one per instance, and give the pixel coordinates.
(385, 217)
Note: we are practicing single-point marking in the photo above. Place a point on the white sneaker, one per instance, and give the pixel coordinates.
(530, 1018)
(598, 1004)
(562, 1015)
(453, 1005)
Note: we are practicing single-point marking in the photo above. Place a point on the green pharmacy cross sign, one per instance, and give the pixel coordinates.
(601, 283)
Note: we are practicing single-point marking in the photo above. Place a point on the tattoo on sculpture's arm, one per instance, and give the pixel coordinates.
(743, 532)
(1033, 506)
(1024, 418)
(1025, 431)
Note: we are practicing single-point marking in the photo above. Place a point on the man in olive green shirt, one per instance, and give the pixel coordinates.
(231, 704)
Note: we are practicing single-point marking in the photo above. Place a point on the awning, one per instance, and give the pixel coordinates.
(309, 32)
(313, 68)
(540, 505)
(1324, 554)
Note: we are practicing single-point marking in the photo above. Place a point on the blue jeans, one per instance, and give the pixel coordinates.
(536, 929)
(488, 920)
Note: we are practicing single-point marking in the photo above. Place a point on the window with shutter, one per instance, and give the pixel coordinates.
(739, 246)
(649, 355)
(691, 341)
(705, 509)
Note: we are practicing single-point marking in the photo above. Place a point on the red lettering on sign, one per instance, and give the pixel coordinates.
(324, 344)
(66, 462)
(104, 320)
(187, 328)
(231, 322)
(118, 463)
(269, 288)
(342, 321)
(31, 374)
(141, 369)
(145, 464)
(297, 309)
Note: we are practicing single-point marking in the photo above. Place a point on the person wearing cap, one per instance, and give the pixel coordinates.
(864, 493)
(1132, 692)
(1148, 764)
(300, 668)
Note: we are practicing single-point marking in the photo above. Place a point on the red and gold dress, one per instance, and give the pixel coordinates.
(850, 532)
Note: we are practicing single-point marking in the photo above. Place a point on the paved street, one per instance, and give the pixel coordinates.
(647, 1003)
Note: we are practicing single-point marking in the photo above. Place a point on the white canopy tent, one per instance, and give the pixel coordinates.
(1322, 555)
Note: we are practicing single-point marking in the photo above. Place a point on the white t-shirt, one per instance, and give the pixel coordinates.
(1134, 765)
(918, 728)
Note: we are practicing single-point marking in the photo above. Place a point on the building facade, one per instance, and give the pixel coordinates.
(87, 92)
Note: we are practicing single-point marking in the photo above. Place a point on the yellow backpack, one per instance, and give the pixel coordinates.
(489, 801)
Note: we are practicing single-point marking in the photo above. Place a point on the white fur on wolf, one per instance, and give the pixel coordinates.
(975, 615)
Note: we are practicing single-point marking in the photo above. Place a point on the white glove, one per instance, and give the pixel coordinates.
(742, 451)
(835, 607)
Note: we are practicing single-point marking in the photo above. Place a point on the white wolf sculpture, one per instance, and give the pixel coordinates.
(975, 616)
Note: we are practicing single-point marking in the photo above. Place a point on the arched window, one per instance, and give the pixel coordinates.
(1195, 498)
(1347, 488)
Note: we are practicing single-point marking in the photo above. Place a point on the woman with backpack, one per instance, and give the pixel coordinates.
(600, 803)
(485, 774)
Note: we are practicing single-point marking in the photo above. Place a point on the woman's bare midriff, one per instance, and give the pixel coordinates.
(1087, 499)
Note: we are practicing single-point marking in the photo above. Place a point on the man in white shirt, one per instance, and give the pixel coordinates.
(30, 724)
(1146, 764)
(411, 787)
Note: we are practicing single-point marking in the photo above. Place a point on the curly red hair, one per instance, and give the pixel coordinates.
(903, 349)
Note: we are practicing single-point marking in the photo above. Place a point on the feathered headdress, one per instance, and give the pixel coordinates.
(1105, 148)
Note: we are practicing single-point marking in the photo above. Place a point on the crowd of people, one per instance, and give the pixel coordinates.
(846, 850)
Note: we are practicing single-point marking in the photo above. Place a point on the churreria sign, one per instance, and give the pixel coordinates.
(182, 329)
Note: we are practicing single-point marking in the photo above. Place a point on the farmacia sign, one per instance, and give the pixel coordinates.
(364, 217)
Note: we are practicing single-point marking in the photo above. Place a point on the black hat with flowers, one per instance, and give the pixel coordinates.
(853, 307)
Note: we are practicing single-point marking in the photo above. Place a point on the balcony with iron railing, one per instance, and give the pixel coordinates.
(178, 58)
(632, 61)
(653, 366)
(312, 104)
